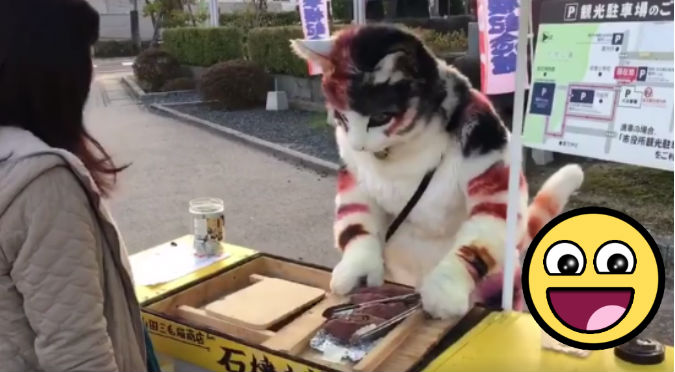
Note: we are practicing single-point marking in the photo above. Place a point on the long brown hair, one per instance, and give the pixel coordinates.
(45, 74)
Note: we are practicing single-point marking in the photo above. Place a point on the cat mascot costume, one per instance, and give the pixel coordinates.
(414, 135)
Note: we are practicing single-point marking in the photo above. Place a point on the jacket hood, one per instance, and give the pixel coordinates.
(23, 157)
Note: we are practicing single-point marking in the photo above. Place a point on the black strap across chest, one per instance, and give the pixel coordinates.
(410, 205)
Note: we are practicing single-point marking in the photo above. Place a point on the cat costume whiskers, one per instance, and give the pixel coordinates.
(401, 114)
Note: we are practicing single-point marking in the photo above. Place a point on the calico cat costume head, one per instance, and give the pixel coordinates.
(384, 85)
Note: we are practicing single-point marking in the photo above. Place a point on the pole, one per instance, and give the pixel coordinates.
(355, 12)
(214, 13)
(135, 29)
(515, 157)
(359, 11)
(433, 8)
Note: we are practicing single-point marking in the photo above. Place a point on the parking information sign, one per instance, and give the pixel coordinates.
(603, 81)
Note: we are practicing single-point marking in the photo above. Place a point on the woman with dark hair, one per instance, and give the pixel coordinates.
(66, 295)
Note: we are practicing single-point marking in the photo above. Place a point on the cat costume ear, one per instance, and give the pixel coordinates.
(316, 51)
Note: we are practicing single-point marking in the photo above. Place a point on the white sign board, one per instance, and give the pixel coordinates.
(603, 82)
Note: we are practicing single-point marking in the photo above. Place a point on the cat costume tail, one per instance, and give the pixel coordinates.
(551, 199)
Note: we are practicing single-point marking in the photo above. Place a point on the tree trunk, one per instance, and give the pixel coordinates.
(155, 33)
(192, 16)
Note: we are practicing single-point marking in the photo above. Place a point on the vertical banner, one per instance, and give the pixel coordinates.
(314, 16)
(497, 41)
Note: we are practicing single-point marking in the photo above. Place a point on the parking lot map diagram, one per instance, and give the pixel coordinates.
(603, 82)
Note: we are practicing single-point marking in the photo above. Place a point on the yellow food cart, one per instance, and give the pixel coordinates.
(483, 340)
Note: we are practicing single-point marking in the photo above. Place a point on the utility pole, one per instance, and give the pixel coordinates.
(135, 30)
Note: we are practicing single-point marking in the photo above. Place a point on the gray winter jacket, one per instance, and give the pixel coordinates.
(66, 295)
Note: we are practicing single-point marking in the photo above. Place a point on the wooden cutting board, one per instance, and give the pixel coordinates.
(264, 303)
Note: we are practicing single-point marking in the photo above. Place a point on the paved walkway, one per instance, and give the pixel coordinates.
(271, 205)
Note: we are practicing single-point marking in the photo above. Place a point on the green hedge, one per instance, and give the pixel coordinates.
(442, 43)
(204, 46)
(247, 20)
(116, 48)
(270, 48)
(342, 10)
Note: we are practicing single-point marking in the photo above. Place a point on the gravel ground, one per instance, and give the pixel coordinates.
(299, 130)
(661, 327)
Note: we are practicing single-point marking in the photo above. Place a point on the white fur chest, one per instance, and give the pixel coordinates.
(393, 181)
(427, 233)
(436, 213)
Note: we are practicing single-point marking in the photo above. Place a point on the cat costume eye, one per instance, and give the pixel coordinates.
(380, 119)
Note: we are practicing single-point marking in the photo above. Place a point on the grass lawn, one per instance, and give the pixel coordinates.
(642, 193)
(318, 121)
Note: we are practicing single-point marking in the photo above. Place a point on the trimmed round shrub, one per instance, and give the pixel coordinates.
(234, 85)
(181, 83)
(153, 67)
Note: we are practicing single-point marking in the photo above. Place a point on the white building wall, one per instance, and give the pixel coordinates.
(116, 22)
(231, 6)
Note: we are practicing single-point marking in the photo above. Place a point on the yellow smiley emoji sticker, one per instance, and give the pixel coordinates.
(593, 278)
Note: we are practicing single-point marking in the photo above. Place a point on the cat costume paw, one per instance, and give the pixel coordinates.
(446, 290)
(361, 259)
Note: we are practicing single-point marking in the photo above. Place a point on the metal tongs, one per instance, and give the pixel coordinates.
(368, 333)
(406, 298)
